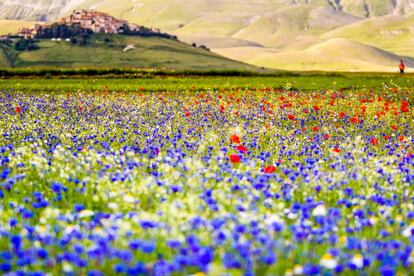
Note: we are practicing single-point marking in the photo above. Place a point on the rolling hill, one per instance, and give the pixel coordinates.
(109, 51)
(338, 53)
(276, 29)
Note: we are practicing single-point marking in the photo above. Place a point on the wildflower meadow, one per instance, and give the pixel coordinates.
(259, 181)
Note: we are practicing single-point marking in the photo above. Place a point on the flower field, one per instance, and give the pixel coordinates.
(217, 182)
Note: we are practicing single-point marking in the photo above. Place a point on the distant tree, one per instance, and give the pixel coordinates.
(32, 47)
(84, 39)
(62, 31)
(204, 47)
(25, 45)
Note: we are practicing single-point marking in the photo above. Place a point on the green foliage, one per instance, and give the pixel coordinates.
(145, 32)
(25, 45)
(91, 80)
(62, 31)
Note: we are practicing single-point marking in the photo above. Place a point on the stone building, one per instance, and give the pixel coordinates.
(98, 22)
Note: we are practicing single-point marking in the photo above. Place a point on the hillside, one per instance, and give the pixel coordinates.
(341, 54)
(161, 11)
(12, 26)
(121, 51)
(231, 27)
(391, 33)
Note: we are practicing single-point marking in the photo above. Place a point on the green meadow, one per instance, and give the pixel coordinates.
(134, 81)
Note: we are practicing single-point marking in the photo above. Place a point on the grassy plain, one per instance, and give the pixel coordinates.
(190, 81)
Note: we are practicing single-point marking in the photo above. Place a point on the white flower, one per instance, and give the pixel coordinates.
(411, 258)
(297, 270)
(319, 210)
(328, 261)
(129, 199)
(86, 213)
(407, 232)
(67, 267)
(292, 216)
(358, 260)
(373, 220)
(273, 219)
(113, 205)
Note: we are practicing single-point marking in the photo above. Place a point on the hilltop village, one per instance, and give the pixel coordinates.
(95, 21)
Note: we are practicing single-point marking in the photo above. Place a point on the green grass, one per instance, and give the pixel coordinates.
(105, 51)
(311, 81)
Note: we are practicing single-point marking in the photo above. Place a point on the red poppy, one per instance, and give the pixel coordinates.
(316, 108)
(187, 114)
(269, 169)
(405, 109)
(80, 108)
(235, 139)
(405, 106)
(401, 138)
(386, 137)
(342, 114)
(18, 109)
(316, 128)
(291, 117)
(354, 120)
(241, 148)
(394, 127)
(234, 158)
(374, 141)
(337, 150)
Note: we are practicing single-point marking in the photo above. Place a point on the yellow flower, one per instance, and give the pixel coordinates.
(327, 256)
(289, 272)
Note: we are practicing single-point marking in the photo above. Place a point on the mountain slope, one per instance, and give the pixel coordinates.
(186, 11)
(334, 54)
(238, 28)
(109, 51)
(392, 33)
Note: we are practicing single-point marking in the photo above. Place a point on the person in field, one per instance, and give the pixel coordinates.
(402, 67)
